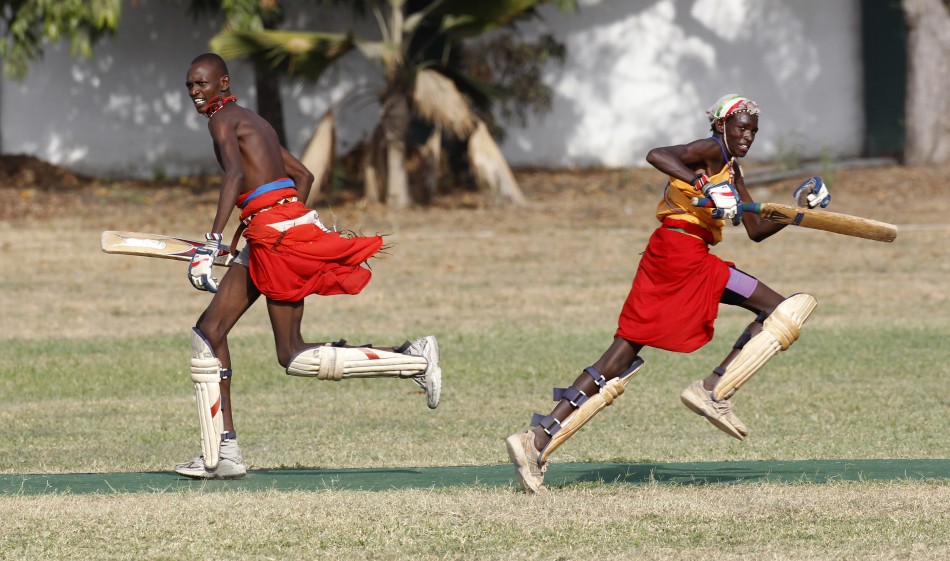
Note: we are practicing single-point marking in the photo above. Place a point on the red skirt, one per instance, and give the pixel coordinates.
(675, 296)
(303, 260)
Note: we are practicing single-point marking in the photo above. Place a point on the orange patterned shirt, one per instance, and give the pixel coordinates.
(677, 203)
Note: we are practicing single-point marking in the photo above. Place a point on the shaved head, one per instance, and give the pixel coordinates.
(213, 60)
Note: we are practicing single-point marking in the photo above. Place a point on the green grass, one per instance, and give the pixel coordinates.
(95, 405)
(841, 392)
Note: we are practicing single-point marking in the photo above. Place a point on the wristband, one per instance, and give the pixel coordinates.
(699, 181)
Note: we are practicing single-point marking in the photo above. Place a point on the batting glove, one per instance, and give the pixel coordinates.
(813, 193)
(199, 271)
(727, 201)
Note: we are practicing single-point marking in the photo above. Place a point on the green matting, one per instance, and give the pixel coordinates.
(690, 473)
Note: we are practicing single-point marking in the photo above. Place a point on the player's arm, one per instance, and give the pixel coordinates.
(685, 162)
(299, 173)
(228, 150)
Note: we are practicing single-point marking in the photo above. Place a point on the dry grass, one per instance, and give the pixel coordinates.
(837, 521)
(567, 258)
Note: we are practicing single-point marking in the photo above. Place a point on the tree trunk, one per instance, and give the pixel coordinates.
(928, 99)
(395, 122)
(374, 166)
(269, 104)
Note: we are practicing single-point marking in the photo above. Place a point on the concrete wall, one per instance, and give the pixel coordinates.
(639, 74)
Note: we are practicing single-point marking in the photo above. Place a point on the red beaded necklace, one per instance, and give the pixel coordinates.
(217, 103)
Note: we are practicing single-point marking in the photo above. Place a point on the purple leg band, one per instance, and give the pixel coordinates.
(741, 283)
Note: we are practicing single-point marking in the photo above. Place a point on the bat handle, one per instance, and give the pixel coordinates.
(707, 203)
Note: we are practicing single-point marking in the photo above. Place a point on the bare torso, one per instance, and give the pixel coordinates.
(260, 153)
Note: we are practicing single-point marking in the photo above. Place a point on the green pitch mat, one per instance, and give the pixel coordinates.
(692, 473)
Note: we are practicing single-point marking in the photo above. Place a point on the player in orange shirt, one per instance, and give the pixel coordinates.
(677, 290)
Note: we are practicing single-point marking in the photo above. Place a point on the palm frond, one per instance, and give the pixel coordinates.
(490, 167)
(464, 17)
(300, 54)
(436, 99)
(384, 53)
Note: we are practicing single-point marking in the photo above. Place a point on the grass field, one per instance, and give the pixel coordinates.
(94, 378)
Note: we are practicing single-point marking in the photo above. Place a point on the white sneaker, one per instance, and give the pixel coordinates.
(431, 379)
(230, 465)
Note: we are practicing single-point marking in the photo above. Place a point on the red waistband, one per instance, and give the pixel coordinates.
(689, 228)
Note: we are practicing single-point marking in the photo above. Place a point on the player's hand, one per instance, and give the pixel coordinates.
(727, 201)
(199, 270)
(812, 193)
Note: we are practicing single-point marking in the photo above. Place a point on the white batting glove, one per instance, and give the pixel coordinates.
(813, 193)
(199, 270)
(727, 201)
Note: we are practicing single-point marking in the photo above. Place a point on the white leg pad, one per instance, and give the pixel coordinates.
(206, 374)
(779, 331)
(336, 363)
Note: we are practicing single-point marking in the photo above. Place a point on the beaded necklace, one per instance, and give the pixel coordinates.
(217, 103)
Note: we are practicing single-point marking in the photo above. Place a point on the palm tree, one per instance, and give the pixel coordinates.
(415, 81)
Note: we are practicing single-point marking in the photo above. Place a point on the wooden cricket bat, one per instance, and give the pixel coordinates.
(817, 220)
(157, 245)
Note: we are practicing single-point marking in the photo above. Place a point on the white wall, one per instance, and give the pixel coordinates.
(639, 74)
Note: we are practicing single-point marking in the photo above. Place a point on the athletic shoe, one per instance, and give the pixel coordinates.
(431, 379)
(230, 464)
(719, 413)
(524, 456)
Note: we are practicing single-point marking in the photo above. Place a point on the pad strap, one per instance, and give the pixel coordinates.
(572, 394)
(549, 423)
(597, 376)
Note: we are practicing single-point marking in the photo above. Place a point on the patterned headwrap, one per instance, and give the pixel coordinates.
(731, 104)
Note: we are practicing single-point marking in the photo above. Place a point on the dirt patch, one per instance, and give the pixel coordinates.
(34, 190)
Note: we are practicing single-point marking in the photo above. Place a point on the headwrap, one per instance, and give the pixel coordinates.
(730, 104)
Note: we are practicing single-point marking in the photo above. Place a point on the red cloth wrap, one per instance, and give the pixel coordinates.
(675, 296)
(289, 266)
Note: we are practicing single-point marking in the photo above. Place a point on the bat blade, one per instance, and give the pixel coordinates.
(157, 245)
(815, 219)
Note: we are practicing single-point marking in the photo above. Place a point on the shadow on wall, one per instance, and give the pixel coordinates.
(126, 112)
(641, 74)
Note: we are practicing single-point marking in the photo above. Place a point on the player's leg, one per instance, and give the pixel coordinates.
(417, 360)
(236, 294)
(211, 372)
(594, 389)
(777, 324)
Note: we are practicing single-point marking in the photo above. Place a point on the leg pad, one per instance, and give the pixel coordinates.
(336, 363)
(590, 407)
(206, 375)
(779, 330)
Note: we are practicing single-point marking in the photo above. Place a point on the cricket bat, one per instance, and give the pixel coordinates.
(157, 245)
(817, 220)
